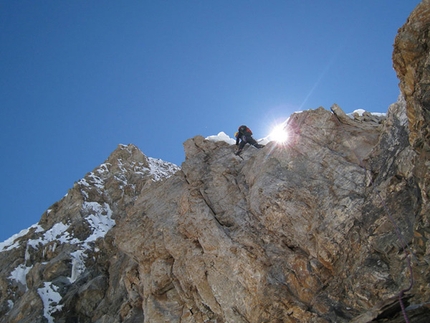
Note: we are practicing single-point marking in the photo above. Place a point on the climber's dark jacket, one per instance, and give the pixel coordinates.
(244, 136)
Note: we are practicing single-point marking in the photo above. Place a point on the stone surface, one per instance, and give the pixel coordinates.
(294, 233)
(411, 60)
(67, 268)
(332, 226)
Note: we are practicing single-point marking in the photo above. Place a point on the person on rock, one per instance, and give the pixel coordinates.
(243, 137)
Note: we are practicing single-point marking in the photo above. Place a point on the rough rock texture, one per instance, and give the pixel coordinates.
(333, 226)
(294, 233)
(67, 268)
(411, 60)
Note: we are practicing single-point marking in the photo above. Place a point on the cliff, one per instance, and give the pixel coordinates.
(331, 226)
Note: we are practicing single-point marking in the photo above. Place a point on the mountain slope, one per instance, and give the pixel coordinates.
(61, 266)
(301, 232)
(290, 233)
(332, 226)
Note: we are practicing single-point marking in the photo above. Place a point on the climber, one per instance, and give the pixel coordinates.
(244, 136)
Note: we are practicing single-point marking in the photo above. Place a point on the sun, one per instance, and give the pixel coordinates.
(279, 134)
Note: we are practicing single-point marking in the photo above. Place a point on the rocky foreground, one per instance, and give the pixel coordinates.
(332, 226)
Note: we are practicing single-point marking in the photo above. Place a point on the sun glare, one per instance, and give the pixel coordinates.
(279, 134)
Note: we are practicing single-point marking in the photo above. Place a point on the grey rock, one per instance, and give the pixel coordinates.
(331, 226)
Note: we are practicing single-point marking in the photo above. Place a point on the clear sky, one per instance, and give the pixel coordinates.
(77, 78)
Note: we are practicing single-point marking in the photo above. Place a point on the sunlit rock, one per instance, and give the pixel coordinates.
(331, 225)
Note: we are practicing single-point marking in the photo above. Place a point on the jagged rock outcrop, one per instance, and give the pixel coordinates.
(67, 267)
(332, 226)
(294, 233)
(411, 60)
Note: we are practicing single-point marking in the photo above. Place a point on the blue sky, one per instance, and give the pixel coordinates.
(77, 78)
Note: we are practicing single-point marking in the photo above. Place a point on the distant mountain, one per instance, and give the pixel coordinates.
(330, 226)
(47, 266)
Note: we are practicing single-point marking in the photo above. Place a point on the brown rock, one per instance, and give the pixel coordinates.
(332, 226)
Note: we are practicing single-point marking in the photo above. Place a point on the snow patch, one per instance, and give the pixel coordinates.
(100, 220)
(83, 182)
(96, 181)
(56, 233)
(50, 298)
(19, 274)
(222, 136)
(78, 264)
(11, 243)
(103, 168)
(159, 169)
(360, 113)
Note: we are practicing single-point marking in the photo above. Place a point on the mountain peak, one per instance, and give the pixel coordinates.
(61, 250)
(330, 226)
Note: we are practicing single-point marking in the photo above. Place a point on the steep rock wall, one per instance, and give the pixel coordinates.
(332, 226)
(293, 233)
(411, 60)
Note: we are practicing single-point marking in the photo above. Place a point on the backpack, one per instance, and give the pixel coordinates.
(245, 130)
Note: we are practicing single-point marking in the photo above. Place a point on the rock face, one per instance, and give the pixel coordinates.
(411, 60)
(67, 268)
(332, 226)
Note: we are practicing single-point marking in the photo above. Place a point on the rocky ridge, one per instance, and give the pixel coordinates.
(61, 265)
(332, 226)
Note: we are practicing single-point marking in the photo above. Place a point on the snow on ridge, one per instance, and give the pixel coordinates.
(160, 169)
(96, 180)
(222, 136)
(58, 232)
(128, 147)
(103, 168)
(12, 242)
(360, 113)
(100, 220)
